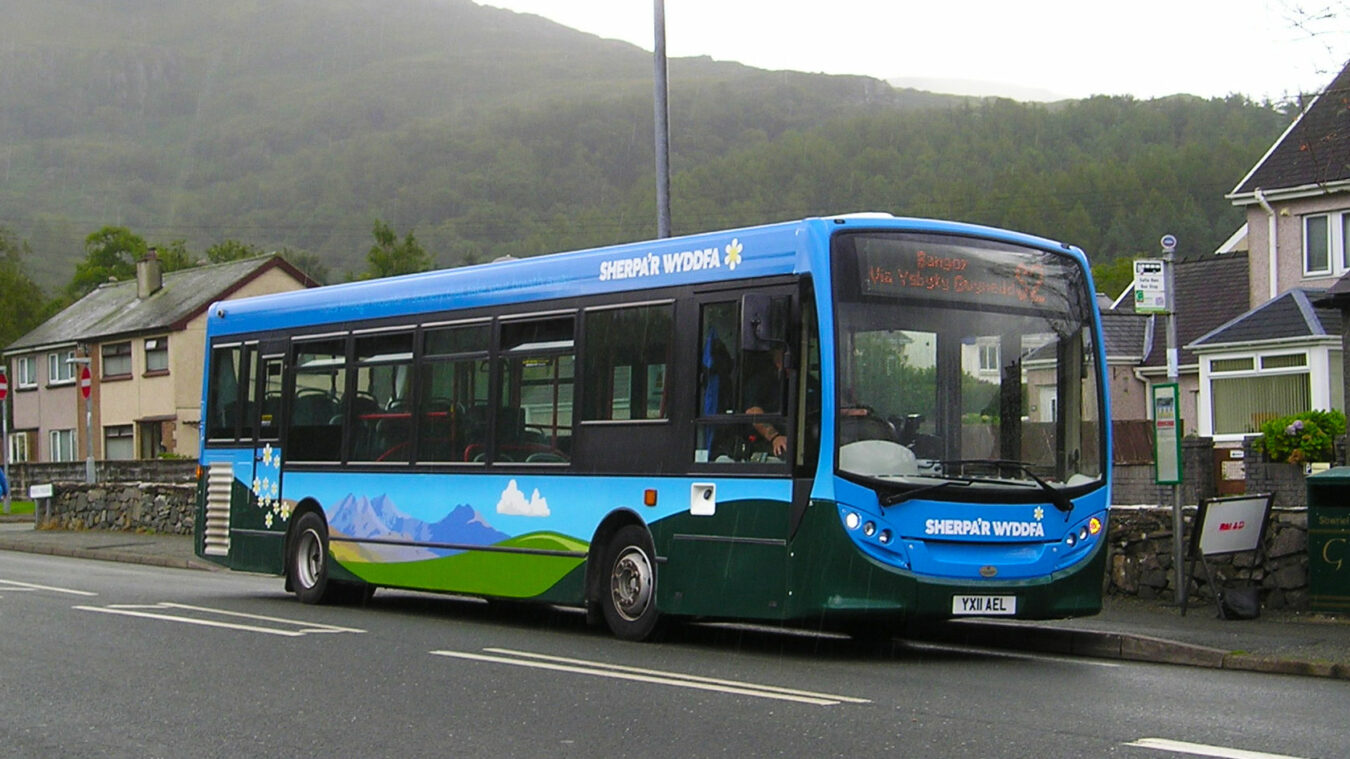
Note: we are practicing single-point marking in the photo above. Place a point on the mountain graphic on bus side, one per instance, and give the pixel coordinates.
(375, 540)
(379, 518)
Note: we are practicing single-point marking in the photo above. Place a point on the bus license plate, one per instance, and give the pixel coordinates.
(984, 605)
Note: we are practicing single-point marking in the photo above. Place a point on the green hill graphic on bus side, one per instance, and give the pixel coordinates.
(511, 570)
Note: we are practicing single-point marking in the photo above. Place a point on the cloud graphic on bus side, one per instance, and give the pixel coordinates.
(513, 501)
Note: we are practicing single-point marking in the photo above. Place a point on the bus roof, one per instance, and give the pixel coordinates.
(767, 250)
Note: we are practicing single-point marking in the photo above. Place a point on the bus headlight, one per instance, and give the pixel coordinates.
(852, 520)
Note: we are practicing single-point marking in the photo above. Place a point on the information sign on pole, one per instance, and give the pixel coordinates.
(1150, 287)
(1167, 433)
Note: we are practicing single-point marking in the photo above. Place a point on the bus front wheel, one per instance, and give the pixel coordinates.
(628, 596)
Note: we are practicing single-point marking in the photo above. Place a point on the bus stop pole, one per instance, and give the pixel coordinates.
(1173, 375)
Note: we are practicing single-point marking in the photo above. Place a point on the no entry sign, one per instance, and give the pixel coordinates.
(4, 386)
(86, 382)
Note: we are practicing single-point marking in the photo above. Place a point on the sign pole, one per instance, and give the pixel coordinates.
(86, 389)
(1169, 247)
(4, 434)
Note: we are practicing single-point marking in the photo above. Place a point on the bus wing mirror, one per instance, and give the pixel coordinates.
(762, 326)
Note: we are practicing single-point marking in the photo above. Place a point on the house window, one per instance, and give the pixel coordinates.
(117, 360)
(62, 445)
(18, 447)
(25, 372)
(157, 355)
(1316, 245)
(1324, 244)
(1243, 397)
(988, 355)
(60, 367)
(119, 442)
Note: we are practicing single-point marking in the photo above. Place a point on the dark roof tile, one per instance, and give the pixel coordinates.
(1314, 150)
(113, 309)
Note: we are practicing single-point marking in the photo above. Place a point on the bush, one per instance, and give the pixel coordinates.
(1302, 438)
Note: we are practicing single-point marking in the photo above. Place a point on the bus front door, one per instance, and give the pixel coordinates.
(259, 545)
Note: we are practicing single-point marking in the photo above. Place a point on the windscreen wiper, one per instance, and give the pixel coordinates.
(1057, 497)
(905, 495)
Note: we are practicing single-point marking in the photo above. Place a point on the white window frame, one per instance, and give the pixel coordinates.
(54, 438)
(61, 367)
(25, 373)
(18, 447)
(1317, 366)
(1338, 255)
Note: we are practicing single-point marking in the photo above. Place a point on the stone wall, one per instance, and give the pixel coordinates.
(1286, 481)
(131, 506)
(1140, 562)
(1135, 483)
(24, 475)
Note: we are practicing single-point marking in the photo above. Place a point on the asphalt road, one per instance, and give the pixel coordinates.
(117, 660)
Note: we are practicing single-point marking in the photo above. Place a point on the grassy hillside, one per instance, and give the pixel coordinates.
(297, 123)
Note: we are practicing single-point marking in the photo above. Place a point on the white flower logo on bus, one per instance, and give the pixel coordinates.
(267, 488)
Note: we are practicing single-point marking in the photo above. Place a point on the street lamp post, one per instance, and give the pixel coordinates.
(662, 123)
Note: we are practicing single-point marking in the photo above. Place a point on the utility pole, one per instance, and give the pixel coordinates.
(662, 124)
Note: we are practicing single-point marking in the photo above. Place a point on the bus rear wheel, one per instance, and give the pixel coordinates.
(628, 592)
(307, 560)
(307, 567)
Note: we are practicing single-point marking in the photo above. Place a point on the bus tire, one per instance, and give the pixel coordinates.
(307, 561)
(628, 585)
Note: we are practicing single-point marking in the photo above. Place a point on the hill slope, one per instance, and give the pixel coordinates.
(299, 122)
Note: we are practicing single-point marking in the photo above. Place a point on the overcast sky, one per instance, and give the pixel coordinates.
(1052, 48)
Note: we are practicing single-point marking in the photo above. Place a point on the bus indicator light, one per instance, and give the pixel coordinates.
(649, 497)
(1094, 525)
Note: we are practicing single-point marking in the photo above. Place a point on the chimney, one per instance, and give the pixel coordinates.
(149, 276)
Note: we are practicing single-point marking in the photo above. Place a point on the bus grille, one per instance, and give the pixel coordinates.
(219, 485)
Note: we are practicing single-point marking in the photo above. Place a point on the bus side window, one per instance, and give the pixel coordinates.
(316, 404)
(453, 393)
(223, 400)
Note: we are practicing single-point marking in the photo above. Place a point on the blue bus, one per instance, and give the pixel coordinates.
(854, 421)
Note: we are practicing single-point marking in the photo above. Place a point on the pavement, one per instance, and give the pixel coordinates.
(1279, 641)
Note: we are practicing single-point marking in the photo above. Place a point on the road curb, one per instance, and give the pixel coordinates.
(98, 554)
(1099, 644)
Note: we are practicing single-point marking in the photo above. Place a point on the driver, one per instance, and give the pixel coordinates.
(765, 390)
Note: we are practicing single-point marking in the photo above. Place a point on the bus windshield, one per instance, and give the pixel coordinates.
(966, 362)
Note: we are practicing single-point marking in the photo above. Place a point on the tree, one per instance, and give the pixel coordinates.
(1113, 277)
(174, 256)
(388, 257)
(25, 305)
(232, 250)
(109, 253)
(309, 263)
